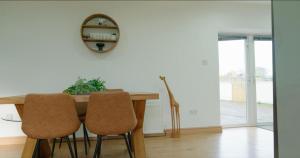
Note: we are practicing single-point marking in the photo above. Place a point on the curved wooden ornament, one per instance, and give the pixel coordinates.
(174, 108)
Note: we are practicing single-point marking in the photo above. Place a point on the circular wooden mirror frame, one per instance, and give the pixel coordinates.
(99, 15)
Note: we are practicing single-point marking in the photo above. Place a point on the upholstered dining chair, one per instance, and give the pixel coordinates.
(110, 113)
(49, 116)
(81, 110)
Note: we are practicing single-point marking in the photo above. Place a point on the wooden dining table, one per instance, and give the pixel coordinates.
(139, 103)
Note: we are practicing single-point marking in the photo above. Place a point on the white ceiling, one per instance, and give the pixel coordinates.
(251, 1)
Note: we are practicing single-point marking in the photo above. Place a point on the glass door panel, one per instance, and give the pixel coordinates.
(232, 73)
(264, 81)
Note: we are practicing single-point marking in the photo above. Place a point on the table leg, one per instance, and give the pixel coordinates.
(138, 133)
(30, 143)
(28, 148)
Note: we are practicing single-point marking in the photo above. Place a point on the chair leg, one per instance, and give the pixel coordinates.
(127, 145)
(96, 148)
(85, 141)
(88, 138)
(86, 134)
(39, 149)
(99, 138)
(70, 146)
(53, 147)
(130, 141)
(75, 145)
(36, 149)
(61, 139)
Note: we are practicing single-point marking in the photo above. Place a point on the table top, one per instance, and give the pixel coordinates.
(82, 98)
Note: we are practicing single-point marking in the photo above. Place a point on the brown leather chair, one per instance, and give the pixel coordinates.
(110, 113)
(50, 116)
(81, 110)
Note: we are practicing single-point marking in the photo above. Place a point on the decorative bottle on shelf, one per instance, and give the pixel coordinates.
(114, 37)
(101, 21)
(100, 46)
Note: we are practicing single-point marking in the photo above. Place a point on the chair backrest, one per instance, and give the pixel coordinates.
(110, 113)
(48, 116)
(82, 106)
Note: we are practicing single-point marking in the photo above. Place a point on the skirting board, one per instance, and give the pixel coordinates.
(184, 131)
(12, 140)
(22, 139)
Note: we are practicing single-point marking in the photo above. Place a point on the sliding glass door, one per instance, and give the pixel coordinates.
(246, 89)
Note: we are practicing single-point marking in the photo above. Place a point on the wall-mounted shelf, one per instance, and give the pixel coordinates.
(100, 27)
(98, 40)
(100, 33)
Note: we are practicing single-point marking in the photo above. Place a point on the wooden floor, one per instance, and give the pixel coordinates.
(232, 143)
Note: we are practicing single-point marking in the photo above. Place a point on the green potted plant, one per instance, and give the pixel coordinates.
(83, 86)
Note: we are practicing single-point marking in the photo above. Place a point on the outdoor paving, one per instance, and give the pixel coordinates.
(233, 113)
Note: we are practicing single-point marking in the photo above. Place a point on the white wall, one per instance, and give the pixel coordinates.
(41, 51)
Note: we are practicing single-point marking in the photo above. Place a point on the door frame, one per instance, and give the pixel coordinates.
(251, 103)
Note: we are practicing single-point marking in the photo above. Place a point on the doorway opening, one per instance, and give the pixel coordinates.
(246, 81)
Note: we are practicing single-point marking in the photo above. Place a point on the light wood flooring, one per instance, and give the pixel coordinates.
(232, 143)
